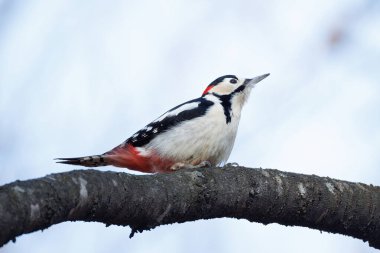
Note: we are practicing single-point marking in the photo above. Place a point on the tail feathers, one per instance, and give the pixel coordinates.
(88, 161)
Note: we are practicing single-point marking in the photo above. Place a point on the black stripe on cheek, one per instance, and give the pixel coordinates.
(227, 106)
(240, 88)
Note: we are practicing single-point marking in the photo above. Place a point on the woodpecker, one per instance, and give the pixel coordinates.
(198, 133)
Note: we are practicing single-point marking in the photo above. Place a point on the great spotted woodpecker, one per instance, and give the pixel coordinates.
(197, 133)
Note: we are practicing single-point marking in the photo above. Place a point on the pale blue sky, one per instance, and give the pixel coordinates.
(79, 77)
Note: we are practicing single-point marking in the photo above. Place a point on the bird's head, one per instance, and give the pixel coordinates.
(230, 84)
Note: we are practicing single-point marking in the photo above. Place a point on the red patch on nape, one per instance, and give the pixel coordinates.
(207, 89)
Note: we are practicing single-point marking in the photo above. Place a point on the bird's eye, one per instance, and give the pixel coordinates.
(233, 81)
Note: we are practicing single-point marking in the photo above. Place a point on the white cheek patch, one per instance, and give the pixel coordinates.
(223, 89)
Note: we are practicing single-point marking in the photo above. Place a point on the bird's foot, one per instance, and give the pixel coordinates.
(231, 165)
(180, 166)
(204, 164)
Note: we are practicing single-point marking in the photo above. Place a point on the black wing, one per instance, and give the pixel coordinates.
(189, 110)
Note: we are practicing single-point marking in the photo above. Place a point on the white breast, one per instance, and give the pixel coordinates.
(207, 138)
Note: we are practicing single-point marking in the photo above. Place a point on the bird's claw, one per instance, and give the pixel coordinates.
(204, 164)
(179, 165)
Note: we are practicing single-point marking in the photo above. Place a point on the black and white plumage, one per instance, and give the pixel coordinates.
(183, 112)
(195, 133)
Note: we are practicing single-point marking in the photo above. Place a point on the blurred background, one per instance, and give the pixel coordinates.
(79, 77)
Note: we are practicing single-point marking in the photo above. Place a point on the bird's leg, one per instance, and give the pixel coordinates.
(204, 164)
(180, 165)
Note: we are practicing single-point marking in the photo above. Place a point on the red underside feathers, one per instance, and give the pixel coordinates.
(129, 157)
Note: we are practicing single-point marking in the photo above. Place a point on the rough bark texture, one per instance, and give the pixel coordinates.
(144, 202)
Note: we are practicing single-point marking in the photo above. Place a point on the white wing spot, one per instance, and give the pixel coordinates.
(175, 112)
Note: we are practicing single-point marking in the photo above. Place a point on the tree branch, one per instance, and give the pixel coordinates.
(144, 202)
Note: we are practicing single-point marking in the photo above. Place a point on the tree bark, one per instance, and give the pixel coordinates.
(144, 202)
